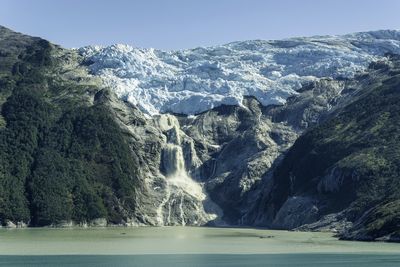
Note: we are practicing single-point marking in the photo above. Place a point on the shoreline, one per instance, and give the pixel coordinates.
(333, 234)
(178, 240)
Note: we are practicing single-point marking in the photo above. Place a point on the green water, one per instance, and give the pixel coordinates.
(187, 246)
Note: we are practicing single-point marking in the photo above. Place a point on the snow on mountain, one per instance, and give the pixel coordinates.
(195, 80)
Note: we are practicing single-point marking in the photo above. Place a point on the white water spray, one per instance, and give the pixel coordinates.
(174, 166)
(181, 190)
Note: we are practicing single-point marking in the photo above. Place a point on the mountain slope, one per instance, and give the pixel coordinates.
(62, 156)
(292, 134)
(343, 173)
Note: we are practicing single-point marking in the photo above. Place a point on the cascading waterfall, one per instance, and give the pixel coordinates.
(182, 194)
(174, 165)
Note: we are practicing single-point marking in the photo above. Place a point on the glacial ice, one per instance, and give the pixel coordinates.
(195, 80)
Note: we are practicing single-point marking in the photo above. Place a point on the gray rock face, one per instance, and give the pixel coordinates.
(315, 206)
(170, 195)
(315, 103)
(215, 167)
(296, 211)
(235, 147)
(335, 222)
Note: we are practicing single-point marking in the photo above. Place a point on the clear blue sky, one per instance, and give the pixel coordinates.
(175, 24)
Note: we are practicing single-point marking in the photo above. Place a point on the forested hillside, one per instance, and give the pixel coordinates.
(61, 158)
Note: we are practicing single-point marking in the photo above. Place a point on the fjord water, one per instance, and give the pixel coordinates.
(187, 246)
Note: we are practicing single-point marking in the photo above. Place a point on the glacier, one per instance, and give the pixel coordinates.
(195, 80)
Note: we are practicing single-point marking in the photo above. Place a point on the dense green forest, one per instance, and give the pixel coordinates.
(58, 161)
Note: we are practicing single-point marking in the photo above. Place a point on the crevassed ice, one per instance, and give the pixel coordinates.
(195, 80)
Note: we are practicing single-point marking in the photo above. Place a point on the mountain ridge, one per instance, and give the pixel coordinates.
(74, 152)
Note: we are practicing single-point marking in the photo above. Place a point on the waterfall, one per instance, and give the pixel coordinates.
(183, 200)
(174, 166)
(174, 162)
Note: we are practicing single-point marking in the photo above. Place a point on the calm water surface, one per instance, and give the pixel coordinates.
(187, 246)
